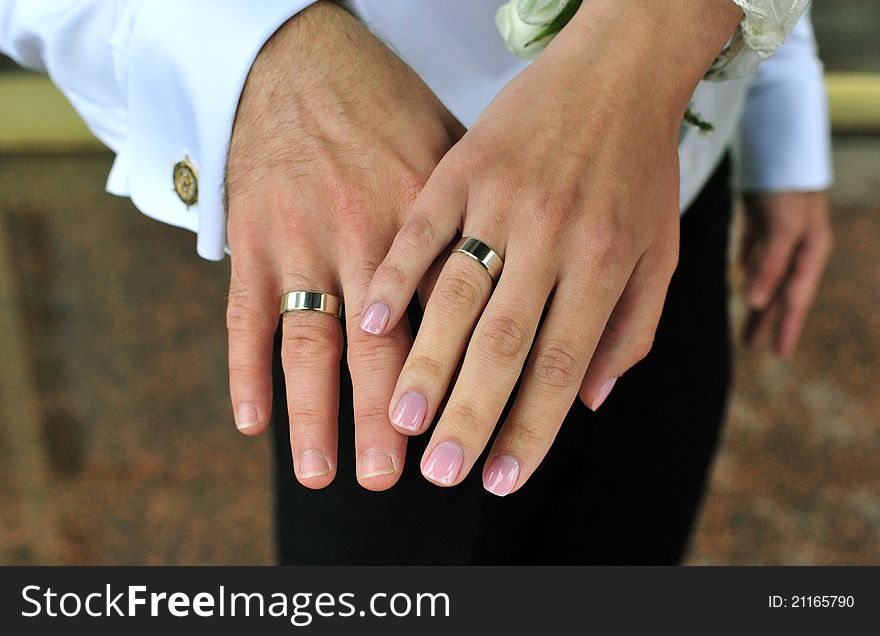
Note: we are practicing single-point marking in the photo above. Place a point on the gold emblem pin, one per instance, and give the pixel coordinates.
(186, 182)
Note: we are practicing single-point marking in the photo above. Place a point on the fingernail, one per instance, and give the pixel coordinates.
(246, 417)
(502, 475)
(410, 412)
(312, 463)
(375, 318)
(603, 393)
(444, 463)
(374, 463)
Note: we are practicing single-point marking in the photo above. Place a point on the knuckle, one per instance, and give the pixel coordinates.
(244, 317)
(503, 338)
(551, 207)
(243, 369)
(426, 367)
(557, 367)
(370, 413)
(465, 418)
(636, 347)
(345, 197)
(392, 275)
(304, 415)
(354, 223)
(525, 435)
(615, 332)
(363, 269)
(609, 242)
(366, 350)
(310, 339)
(456, 292)
(419, 232)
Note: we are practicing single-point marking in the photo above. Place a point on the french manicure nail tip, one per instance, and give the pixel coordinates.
(410, 412)
(375, 318)
(444, 463)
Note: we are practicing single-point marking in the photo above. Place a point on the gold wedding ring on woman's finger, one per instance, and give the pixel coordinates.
(299, 300)
(482, 253)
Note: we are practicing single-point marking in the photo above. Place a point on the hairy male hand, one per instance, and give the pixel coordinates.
(333, 140)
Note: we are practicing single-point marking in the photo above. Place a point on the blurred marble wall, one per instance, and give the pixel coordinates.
(113, 341)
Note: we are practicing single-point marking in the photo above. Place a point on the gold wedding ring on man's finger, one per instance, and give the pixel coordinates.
(482, 253)
(299, 300)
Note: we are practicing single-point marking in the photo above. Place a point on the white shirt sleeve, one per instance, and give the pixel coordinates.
(156, 82)
(784, 141)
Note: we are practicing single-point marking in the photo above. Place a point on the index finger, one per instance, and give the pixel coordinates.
(428, 230)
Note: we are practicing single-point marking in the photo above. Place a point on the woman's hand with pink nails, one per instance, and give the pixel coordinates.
(571, 176)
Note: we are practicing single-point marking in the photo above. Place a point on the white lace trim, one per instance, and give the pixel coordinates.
(765, 26)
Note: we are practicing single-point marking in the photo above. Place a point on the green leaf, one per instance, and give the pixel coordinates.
(558, 23)
(695, 120)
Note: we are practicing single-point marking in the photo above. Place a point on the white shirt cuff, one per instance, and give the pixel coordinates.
(183, 65)
(785, 141)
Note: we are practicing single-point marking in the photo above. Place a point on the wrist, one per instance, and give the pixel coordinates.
(322, 26)
(660, 49)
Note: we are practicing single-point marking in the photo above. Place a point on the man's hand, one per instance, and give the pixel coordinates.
(786, 244)
(333, 140)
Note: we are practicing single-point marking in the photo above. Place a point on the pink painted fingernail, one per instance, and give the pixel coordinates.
(312, 463)
(603, 393)
(375, 318)
(444, 463)
(502, 475)
(410, 412)
(246, 417)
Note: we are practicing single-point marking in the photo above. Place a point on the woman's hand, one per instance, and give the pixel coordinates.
(333, 140)
(785, 247)
(571, 176)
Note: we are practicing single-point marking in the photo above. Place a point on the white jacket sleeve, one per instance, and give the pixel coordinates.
(784, 143)
(156, 81)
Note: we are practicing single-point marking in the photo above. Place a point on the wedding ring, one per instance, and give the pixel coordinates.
(482, 253)
(299, 300)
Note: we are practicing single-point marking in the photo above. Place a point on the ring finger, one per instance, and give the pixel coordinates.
(491, 367)
(311, 348)
(455, 304)
(557, 365)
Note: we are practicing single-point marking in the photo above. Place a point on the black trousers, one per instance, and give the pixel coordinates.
(619, 486)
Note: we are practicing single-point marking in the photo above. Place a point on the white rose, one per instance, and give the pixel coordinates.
(539, 11)
(517, 34)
